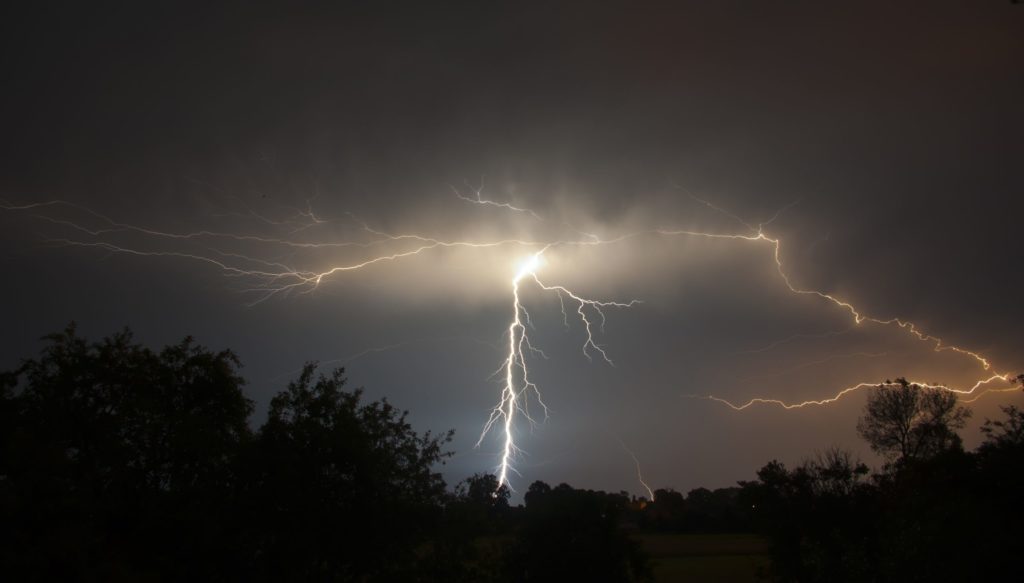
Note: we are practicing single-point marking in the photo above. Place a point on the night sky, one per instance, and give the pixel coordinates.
(890, 135)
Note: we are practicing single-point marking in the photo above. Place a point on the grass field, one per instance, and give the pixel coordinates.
(727, 558)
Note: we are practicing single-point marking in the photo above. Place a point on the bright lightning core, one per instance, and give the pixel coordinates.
(529, 265)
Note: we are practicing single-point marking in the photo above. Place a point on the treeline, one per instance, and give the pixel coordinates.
(121, 463)
(933, 512)
(700, 511)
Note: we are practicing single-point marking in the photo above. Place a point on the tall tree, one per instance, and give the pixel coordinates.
(341, 490)
(905, 422)
(118, 461)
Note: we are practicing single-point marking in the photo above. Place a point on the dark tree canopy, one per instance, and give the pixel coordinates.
(816, 516)
(109, 451)
(479, 500)
(345, 490)
(1008, 434)
(1005, 434)
(574, 535)
(484, 490)
(905, 422)
(937, 512)
(118, 462)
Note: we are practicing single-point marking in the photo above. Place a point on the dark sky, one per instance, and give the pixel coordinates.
(891, 132)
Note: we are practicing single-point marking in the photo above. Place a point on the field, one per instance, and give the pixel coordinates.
(727, 558)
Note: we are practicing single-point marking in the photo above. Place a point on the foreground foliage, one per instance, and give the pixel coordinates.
(936, 512)
(122, 463)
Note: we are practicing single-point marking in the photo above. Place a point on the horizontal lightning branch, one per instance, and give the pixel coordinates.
(859, 386)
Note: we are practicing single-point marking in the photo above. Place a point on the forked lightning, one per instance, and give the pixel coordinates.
(268, 274)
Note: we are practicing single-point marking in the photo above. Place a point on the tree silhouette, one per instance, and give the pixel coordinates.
(1005, 434)
(113, 454)
(819, 518)
(481, 504)
(937, 514)
(483, 490)
(574, 535)
(342, 490)
(905, 422)
(1001, 471)
(469, 544)
(118, 462)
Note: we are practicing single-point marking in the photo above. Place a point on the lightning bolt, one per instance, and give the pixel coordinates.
(478, 199)
(518, 388)
(268, 276)
(639, 474)
(859, 386)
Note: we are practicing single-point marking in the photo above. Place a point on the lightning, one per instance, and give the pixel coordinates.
(518, 388)
(639, 474)
(479, 199)
(859, 318)
(867, 385)
(270, 267)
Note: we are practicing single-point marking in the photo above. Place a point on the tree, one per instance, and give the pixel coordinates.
(835, 472)
(481, 504)
(574, 535)
(666, 511)
(117, 460)
(1008, 433)
(1000, 471)
(483, 490)
(818, 518)
(906, 422)
(469, 544)
(341, 490)
(536, 492)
